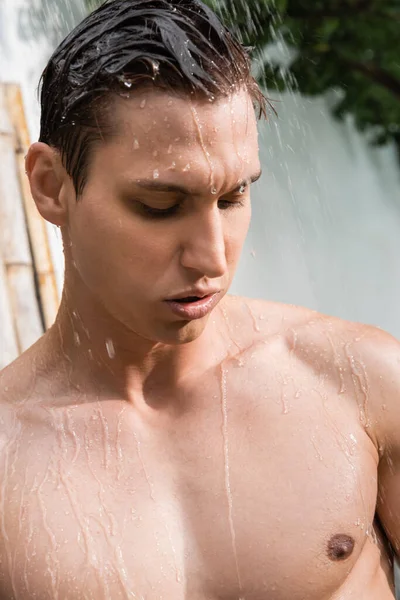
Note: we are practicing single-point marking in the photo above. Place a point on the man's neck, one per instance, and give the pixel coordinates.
(95, 355)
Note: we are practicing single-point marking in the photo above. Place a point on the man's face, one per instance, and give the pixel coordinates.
(166, 210)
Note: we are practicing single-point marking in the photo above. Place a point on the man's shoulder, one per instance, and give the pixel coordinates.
(313, 335)
(17, 380)
(267, 314)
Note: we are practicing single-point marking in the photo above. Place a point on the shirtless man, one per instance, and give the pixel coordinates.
(164, 440)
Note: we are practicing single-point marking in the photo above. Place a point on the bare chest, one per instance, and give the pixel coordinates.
(268, 503)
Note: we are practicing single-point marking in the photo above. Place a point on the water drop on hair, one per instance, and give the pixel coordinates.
(136, 144)
(187, 168)
(128, 84)
(156, 174)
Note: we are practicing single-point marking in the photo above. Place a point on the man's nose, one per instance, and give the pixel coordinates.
(203, 248)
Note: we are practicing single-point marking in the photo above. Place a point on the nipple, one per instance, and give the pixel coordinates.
(340, 547)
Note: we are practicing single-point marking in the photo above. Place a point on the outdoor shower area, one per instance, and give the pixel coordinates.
(325, 230)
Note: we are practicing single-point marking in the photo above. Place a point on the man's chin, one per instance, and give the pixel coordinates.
(185, 332)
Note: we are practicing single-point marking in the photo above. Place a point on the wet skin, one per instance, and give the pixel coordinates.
(252, 453)
(256, 480)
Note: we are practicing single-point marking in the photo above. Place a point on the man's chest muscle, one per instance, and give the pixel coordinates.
(231, 504)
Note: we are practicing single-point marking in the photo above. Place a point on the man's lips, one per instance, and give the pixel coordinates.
(195, 309)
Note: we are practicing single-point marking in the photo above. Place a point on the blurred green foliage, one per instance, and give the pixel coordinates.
(347, 45)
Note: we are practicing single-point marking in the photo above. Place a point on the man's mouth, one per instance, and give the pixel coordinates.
(193, 307)
(189, 299)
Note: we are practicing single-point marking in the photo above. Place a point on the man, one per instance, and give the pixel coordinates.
(165, 440)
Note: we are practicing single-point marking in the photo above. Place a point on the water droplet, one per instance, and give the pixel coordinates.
(136, 144)
(253, 253)
(187, 168)
(177, 139)
(156, 174)
(128, 84)
(169, 151)
(172, 167)
(110, 348)
(213, 190)
(143, 104)
(155, 153)
(169, 103)
(77, 339)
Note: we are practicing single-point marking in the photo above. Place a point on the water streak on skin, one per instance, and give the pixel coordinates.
(11, 445)
(151, 490)
(228, 325)
(72, 433)
(28, 554)
(101, 491)
(21, 521)
(361, 385)
(235, 145)
(110, 348)
(203, 146)
(224, 408)
(89, 547)
(103, 509)
(118, 448)
(294, 343)
(336, 361)
(106, 436)
(254, 319)
(348, 451)
(285, 405)
(53, 564)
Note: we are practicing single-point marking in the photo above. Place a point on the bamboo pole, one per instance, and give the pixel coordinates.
(43, 263)
(14, 240)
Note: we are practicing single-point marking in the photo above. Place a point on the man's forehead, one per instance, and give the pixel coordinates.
(155, 113)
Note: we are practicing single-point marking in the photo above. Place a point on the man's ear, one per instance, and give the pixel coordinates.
(47, 177)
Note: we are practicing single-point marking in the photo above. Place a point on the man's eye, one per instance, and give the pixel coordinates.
(159, 212)
(229, 205)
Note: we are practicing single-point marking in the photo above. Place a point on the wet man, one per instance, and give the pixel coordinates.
(165, 440)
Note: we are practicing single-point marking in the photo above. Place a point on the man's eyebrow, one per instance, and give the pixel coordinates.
(173, 188)
(246, 182)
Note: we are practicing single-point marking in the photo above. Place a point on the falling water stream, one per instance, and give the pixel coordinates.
(315, 239)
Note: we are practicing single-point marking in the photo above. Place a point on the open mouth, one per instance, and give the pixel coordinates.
(194, 307)
(189, 299)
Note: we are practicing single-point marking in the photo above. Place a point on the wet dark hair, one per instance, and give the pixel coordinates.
(176, 45)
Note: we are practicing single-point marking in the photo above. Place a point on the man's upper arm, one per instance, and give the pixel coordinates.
(380, 353)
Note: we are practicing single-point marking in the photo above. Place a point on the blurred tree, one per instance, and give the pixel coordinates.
(348, 45)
